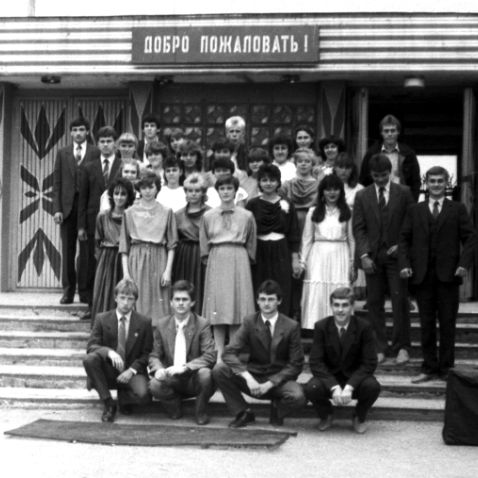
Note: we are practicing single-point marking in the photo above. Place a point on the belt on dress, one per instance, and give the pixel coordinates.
(272, 236)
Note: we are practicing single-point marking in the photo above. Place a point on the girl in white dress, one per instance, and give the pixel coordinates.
(327, 250)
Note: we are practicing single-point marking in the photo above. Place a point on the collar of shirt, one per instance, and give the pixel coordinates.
(109, 158)
(386, 190)
(128, 320)
(394, 150)
(272, 320)
(431, 203)
(344, 326)
(82, 146)
(184, 322)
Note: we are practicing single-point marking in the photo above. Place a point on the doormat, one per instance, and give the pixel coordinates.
(150, 435)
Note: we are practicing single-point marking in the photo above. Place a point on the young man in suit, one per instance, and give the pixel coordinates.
(183, 356)
(95, 177)
(379, 212)
(342, 361)
(405, 167)
(263, 360)
(431, 259)
(150, 126)
(117, 353)
(65, 203)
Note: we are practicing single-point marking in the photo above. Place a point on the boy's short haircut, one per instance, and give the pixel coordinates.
(228, 180)
(128, 138)
(127, 287)
(343, 293)
(80, 121)
(270, 287)
(237, 121)
(106, 132)
(379, 163)
(223, 163)
(437, 171)
(150, 118)
(390, 120)
(184, 286)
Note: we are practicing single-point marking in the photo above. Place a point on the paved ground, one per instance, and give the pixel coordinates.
(389, 449)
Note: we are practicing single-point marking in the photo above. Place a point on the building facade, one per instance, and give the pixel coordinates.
(338, 73)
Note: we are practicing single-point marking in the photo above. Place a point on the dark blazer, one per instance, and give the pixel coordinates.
(352, 362)
(248, 350)
(366, 218)
(199, 343)
(65, 177)
(408, 167)
(139, 343)
(92, 186)
(454, 228)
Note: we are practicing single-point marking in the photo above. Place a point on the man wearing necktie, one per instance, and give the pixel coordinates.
(378, 214)
(437, 244)
(117, 353)
(95, 177)
(66, 184)
(183, 356)
(342, 361)
(263, 359)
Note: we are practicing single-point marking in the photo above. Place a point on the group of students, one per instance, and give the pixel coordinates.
(177, 359)
(231, 219)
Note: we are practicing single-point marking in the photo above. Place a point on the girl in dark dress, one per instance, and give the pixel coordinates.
(108, 225)
(187, 260)
(278, 236)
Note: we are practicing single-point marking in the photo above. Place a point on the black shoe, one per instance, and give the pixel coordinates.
(109, 412)
(66, 299)
(423, 377)
(202, 419)
(126, 409)
(84, 299)
(242, 419)
(276, 414)
(443, 375)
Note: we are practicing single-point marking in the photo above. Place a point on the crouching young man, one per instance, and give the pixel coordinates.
(117, 353)
(183, 356)
(263, 360)
(342, 361)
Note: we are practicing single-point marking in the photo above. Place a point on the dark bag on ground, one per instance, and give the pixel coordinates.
(461, 407)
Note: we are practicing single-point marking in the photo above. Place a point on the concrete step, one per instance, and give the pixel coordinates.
(35, 376)
(41, 356)
(28, 339)
(386, 408)
(41, 323)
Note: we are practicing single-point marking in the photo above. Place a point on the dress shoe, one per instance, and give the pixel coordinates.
(380, 357)
(242, 419)
(325, 423)
(359, 427)
(109, 412)
(423, 377)
(66, 299)
(402, 357)
(276, 414)
(202, 419)
(84, 300)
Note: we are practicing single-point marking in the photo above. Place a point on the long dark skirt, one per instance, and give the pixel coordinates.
(187, 266)
(108, 273)
(273, 261)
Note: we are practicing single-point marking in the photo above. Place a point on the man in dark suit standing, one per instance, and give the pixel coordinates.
(378, 214)
(117, 353)
(183, 356)
(431, 259)
(405, 167)
(263, 359)
(342, 361)
(95, 177)
(65, 203)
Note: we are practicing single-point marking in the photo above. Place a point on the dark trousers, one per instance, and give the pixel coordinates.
(387, 274)
(289, 394)
(102, 376)
(71, 273)
(172, 390)
(437, 300)
(89, 266)
(320, 394)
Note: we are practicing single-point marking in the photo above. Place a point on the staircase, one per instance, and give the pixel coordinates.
(42, 345)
